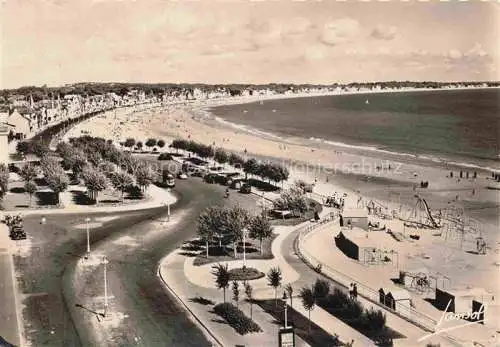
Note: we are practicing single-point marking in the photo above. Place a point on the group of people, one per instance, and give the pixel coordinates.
(335, 201)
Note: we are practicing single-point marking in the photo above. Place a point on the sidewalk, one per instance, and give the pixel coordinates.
(10, 312)
(172, 273)
(158, 197)
(188, 281)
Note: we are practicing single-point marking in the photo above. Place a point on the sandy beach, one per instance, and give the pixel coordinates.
(363, 176)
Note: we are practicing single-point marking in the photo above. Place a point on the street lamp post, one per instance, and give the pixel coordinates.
(87, 220)
(105, 262)
(286, 309)
(244, 249)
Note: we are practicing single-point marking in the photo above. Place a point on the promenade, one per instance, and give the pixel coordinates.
(189, 282)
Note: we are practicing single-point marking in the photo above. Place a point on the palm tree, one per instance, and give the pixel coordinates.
(4, 180)
(289, 291)
(222, 277)
(95, 181)
(260, 228)
(236, 293)
(249, 294)
(308, 301)
(30, 187)
(29, 172)
(274, 279)
(58, 181)
(121, 181)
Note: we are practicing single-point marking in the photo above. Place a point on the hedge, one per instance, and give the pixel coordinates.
(236, 318)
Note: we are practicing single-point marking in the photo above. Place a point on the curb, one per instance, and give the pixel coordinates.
(215, 341)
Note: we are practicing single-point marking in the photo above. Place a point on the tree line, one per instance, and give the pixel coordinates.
(265, 170)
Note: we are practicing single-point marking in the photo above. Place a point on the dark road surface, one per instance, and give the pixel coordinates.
(154, 317)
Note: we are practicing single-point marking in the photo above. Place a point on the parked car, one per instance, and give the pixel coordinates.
(246, 188)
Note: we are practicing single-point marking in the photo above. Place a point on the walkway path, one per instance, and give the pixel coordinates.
(188, 282)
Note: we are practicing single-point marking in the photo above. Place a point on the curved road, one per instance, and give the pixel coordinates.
(154, 318)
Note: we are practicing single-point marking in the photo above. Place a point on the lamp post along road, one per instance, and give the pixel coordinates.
(244, 249)
(87, 220)
(105, 262)
(286, 309)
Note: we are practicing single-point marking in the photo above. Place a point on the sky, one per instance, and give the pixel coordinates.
(55, 42)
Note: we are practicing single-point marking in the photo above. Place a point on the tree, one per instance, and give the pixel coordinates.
(95, 158)
(289, 291)
(144, 176)
(121, 181)
(129, 143)
(222, 277)
(236, 220)
(161, 143)
(58, 182)
(274, 279)
(95, 181)
(221, 156)
(308, 301)
(30, 187)
(321, 289)
(236, 293)
(210, 224)
(151, 143)
(23, 147)
(249, 294)
(260, 228)
(250, 167)
(4, 179)
(139, 145)
(29, 172)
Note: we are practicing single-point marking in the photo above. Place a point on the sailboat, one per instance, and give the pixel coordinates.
(367, 102)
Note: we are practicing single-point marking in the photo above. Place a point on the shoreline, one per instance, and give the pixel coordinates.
(184, 121)
(451, 161)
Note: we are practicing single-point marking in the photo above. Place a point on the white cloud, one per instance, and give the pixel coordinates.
(384, 32)
(315, 53)
(340, 31)
(476, 51)
(454, 54)
(297, 26)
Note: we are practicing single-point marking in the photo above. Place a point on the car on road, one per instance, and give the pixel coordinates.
(182, 176)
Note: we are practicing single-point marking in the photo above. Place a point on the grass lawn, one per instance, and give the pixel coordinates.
(315, 337)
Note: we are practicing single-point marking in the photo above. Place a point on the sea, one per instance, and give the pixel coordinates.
(460, 127)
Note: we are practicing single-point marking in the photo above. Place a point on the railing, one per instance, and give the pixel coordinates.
(404, 311)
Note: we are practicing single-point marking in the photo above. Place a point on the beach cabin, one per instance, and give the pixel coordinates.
(355, 244)
(356, 217)
(460, 301)
(395, 298)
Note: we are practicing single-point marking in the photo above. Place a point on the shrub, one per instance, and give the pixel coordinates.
(321, 289)
(374, 319)
(236, 318)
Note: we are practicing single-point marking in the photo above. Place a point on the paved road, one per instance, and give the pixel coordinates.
(155, 318)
